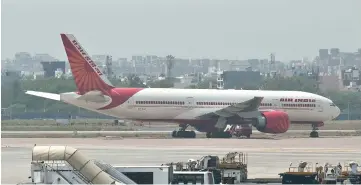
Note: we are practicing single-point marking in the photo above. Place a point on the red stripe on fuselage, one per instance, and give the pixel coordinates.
(120, 96)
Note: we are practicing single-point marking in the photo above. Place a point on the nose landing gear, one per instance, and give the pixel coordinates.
(314, 132)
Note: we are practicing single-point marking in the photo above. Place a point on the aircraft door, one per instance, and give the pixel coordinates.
(130, 103)
(275, 103)
(319, 107)
(189, 102)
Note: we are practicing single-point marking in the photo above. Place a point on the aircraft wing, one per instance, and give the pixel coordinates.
(247, 108)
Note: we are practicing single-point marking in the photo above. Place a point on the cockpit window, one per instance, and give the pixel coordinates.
(332, 104)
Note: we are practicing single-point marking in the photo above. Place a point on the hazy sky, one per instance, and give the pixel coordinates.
(233, 29)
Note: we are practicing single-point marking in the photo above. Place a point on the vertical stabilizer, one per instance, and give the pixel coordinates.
(87, 75)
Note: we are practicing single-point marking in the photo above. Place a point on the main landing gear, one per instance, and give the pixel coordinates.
(241, 130)
(314, 132)
(183, 133)
(219, 134)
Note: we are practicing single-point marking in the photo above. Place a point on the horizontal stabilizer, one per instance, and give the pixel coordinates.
(46, 95)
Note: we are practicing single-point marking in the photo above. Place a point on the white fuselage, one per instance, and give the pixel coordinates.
(186, 104)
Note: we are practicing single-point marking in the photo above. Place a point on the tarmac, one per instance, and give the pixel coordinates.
(266, 157)
(161, 134)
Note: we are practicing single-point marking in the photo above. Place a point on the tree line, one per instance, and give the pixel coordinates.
(13, 94)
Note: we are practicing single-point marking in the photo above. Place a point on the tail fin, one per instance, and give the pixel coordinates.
(87, 75)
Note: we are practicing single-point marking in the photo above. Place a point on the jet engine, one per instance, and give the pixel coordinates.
(272, 122)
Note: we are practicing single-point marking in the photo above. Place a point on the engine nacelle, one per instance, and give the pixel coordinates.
(273, 122)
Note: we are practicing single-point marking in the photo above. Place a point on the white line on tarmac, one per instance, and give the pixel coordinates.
(150, 132)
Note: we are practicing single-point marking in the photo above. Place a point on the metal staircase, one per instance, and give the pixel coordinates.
(118, 176)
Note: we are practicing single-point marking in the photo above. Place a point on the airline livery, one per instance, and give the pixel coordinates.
(207, 110)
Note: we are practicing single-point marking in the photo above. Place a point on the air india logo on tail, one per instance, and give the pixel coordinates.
(87, 75)
(87, 58)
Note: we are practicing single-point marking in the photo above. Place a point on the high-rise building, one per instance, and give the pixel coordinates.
(323, 54)
(51, 67)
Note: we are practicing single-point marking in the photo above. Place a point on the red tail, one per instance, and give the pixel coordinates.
(87, 75)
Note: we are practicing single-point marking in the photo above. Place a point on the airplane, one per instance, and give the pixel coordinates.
(207, 110)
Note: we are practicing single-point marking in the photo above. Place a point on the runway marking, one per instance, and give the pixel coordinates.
(246, 150)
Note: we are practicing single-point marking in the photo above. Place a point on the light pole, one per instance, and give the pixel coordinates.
(348, 110)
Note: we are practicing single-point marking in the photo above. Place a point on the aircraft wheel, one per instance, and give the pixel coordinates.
(221, 135)
(209, 135)
(184, 134)
(314, 134)
(181, 134)
(192, 134)
(227, 135)
(174, 134)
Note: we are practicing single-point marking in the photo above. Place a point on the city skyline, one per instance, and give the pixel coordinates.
(253, 29)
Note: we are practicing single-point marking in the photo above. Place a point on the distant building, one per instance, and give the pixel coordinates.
(323, 54)
(330, 83)
(351, 79)
(240, 79)
(50, 68)
(43, 57)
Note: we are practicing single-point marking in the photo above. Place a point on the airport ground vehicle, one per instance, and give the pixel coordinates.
(207, 110)
(306, 173)
(231, 169)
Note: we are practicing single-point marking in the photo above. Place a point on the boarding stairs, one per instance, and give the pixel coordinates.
(118, 176)
(66, 165)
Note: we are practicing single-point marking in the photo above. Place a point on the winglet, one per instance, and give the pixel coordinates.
(87, 75)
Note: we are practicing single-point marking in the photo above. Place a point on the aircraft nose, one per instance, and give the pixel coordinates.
(337, 112)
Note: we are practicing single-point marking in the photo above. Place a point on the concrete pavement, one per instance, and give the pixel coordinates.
(266, 157)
